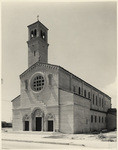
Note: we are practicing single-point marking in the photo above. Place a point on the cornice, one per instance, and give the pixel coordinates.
(38, 64)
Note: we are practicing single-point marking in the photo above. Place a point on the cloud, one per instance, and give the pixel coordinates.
(111, 90)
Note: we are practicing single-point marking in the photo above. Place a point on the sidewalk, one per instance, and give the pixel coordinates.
(84, 140)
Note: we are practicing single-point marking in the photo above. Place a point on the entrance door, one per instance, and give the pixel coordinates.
(26, 125)
(50, 125)
(38, 123)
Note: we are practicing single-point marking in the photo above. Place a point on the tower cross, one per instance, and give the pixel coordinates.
(37, 17)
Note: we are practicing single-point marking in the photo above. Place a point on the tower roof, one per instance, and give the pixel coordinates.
(37, 22)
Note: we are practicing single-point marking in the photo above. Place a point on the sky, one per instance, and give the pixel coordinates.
(81, 37)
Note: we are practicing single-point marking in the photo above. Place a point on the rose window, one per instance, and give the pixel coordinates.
(37, 83)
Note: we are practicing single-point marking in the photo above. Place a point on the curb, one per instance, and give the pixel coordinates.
(44, 142)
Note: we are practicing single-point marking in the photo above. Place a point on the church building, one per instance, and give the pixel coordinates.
(54, 99)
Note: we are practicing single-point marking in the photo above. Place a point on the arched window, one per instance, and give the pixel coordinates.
(50, 79)
(91, 118)
(31, 34)
(35, 33)
(26, 85)
(102, 119)
(99, 119)
(99, 101)
(89, 95)
(43, 35)
(96, 100)
(102, 102)
(95, 118)
(79, 90)
(84, 93)
(93, 99)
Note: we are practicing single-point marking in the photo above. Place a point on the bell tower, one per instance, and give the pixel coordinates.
(37, 43)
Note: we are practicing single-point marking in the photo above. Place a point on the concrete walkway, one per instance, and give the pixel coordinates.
(57, 138)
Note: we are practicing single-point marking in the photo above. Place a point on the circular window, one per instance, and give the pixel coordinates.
(37, 83)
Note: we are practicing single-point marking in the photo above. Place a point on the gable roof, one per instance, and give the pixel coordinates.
(15, 98)
(38, 22)
(39, 64)
(59, 67)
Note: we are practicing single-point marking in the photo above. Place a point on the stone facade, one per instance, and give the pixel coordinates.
(53, 99)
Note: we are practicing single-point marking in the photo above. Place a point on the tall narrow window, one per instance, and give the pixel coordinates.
(93, 99)
(31, 34)
(95, 118)
(96, 100)
(26, 84)
(99, 101)
(102, 102)
(79, 91)
(43, 35)
(102, 119)
(35, 33)
(50, 79)
(91, 118)
(89, 95)
(99, 119)
(84, 93)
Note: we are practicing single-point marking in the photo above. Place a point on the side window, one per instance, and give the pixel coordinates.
(91, 118)
(79, 90)
(102, 102)
(102, 119)
(99, 101)
(50, 79)
(43, 35)
(99, 119)
(31, 34)
(96, 100)
(93, 99)
(89, 95)
(84, 93)
(35, 33)
(26, 85)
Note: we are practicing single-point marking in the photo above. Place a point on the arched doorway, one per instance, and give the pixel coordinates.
(50, 122)
(37, 120)
(26, 120)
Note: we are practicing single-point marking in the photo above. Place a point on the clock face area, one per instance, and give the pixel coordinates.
(37, 82)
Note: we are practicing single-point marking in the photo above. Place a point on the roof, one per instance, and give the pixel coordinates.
(37, 22)
(38, 64)
(112, 111)
(59, 67)
(15, 98)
